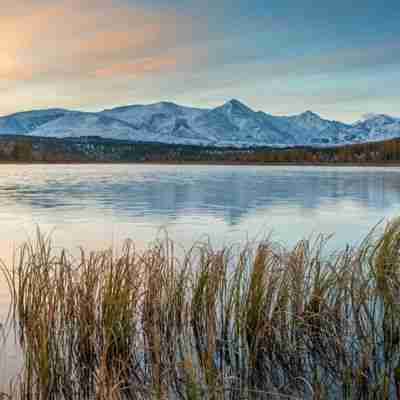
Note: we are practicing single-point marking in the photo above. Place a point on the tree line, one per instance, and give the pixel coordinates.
(25, 149)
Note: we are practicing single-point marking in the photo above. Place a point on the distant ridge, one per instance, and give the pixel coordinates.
(231, 124)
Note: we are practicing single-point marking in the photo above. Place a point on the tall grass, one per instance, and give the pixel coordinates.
(261, 322)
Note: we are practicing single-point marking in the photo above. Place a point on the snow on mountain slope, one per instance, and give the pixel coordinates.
(163, 118)
(232, 124)
(377, 127)
(25, 122)
(310, 128)
(150, 114)
(77, 124)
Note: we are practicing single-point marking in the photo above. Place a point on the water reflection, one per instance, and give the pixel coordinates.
(108, 199)
(231, 193)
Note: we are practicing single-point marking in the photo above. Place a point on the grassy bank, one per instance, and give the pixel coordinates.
(259, 322)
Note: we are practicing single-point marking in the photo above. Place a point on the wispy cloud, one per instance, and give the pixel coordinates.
(52, 40)
(137, 69)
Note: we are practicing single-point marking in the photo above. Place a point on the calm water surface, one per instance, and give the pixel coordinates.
(99, 206)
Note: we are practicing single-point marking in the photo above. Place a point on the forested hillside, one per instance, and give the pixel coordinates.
(95, 149)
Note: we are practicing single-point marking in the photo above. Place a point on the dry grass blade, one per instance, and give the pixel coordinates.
(261, 322)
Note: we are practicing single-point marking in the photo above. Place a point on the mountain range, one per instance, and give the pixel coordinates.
(232, 124)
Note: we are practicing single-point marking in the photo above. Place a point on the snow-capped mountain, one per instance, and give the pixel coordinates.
(26, 122)
(232, 124)
(378, 126)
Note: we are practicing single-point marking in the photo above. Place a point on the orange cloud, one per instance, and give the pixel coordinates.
(143, 67)
(60, 40)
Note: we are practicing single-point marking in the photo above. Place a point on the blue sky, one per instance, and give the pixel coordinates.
(338, 58)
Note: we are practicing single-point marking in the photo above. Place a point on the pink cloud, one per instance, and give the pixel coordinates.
(73, 40)
(137, 69)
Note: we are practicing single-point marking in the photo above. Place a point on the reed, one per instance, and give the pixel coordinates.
(260, 322)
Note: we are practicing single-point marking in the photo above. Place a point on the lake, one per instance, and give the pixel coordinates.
(98, 206)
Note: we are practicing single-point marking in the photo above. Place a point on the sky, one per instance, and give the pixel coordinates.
(338, 58)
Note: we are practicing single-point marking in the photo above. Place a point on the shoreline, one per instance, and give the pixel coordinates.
(205, 163)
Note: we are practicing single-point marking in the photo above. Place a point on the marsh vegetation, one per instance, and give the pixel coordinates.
(259, 321)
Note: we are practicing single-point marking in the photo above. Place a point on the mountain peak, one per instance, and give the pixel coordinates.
(375, 117)
(236, 105)
(309, 115)
(373, 121)
(167, 104)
